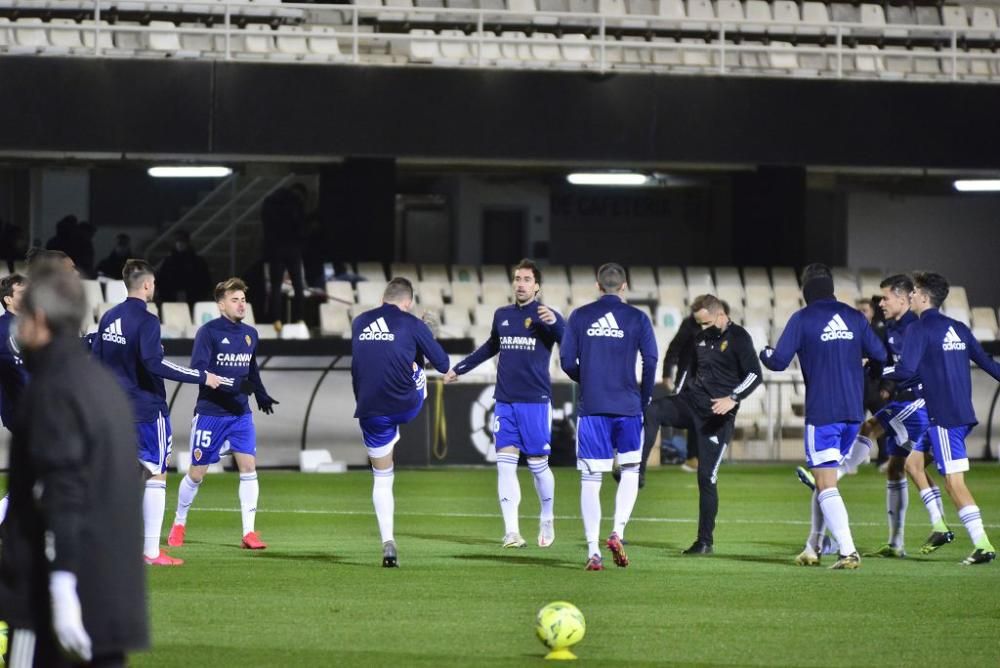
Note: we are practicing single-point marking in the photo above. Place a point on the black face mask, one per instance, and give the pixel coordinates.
(710, 333)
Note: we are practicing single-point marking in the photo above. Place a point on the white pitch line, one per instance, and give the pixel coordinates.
(658, 520)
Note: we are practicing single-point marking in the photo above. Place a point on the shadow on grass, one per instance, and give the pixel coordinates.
(452, 538)
(315, 557)
(778, 560)
(511, 558)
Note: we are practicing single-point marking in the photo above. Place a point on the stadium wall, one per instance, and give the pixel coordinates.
(176, 107)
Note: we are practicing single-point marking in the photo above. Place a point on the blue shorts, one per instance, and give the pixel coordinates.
(528, 427)
(381, 432)
(154, 440)
(598, 437)
(828, 444)
(213, 436)
(904, 423)
(947, 445)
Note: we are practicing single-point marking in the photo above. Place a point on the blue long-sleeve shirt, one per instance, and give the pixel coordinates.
(13, 375)
(388, 349)
(599, 349)
(939, 348)
(895, 335)
(227, 349)
(831, 339)
(128, 342)
(524, 344)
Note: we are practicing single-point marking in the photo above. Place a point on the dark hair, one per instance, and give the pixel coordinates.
(933, 285)
(611, 277)
(815, 270)
(58, 295)
(7, 285)
(710, 303)
(134, 271)
(37, 256)
(530, 264)
(399, 289)
(229, 285)
(898, 283)
(182, 235)
(123, 239)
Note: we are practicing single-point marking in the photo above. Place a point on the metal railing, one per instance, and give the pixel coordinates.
(348, 30)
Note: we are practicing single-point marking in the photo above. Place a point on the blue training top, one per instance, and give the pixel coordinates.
(938, 349)
(13, 375)
(524, 343)
(831, 339)
(388, 349)
(226, 348)
(599, 349)
(128, 342)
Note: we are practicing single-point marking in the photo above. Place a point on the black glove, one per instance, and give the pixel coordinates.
(246, 387)
(265, 403)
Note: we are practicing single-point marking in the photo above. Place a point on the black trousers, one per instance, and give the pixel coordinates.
(278, 261)
(713, 432)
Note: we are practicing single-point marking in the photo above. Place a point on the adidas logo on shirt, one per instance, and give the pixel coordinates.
(952, 341)
(606, 326)
(225, 340)
(836, 329)
(113, 332)
(377, 331)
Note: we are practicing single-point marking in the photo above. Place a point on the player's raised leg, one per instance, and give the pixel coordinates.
(930, 495)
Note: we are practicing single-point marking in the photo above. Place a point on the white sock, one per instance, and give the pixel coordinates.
(154, 505)
(508, 490)
(628, 490)
(858, 455)
(4, 502)
(897, 498)
(835, 513)
(186, 491)
(590, 509)
(385, 503)
(249, 492)
(817, 525)
(545, 485)
(932, 501)
(973, 521)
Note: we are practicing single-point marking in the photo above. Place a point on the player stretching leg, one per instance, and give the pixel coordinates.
(389, 349)
(830, 338)
(223, 421)
(523, 335)
(939, 349)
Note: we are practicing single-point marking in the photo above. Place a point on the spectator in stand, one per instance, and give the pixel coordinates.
(85, 249)
(67, 238)
(11, 244)
(183, 276)
(112, 265)
(283, 217)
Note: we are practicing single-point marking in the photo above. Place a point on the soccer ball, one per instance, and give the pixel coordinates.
(560, 625)
(3, 641)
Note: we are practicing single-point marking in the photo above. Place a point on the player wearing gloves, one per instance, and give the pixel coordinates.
(72, 581)
(223, 421)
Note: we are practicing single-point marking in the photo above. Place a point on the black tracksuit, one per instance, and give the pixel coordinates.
(726, 365)
(75, 505)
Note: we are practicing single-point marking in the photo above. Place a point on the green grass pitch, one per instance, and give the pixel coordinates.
(319, 597)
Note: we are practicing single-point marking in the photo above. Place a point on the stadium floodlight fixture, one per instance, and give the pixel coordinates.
(632, 179)
(977, 185)
(189, 172)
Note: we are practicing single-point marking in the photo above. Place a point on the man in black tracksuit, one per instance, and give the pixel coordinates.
(72, 579)
(726, 370)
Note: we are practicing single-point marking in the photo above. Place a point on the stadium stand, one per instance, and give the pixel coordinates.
(951, 42)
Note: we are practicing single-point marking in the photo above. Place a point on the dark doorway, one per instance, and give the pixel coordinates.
(503, 235)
